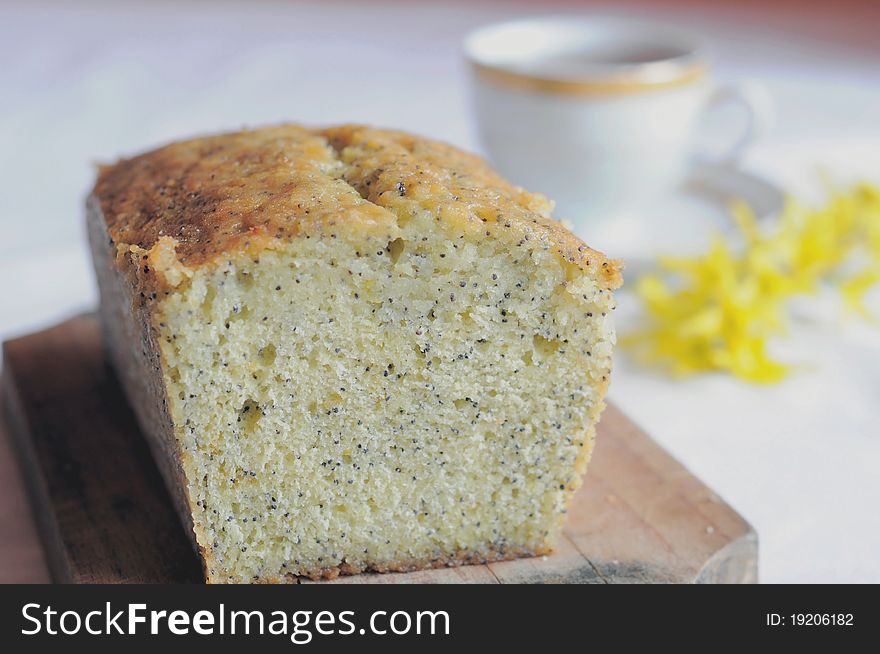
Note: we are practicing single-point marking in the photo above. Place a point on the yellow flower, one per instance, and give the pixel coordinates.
(718, 311)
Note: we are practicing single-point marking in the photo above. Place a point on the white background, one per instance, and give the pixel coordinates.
(90, 83)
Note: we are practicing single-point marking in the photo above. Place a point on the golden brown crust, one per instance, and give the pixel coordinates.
(207, 196)
(210, 193)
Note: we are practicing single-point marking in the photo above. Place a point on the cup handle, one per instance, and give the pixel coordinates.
(755, 102)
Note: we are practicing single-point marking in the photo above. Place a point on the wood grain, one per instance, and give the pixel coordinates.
(100, 505)
(21, 556)
(104, 515)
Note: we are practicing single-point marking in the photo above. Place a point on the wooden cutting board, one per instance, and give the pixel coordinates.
(103, 514)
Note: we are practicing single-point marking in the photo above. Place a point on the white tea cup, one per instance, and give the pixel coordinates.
(598, 114)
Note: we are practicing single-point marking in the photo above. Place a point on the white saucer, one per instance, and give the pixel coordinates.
(684, 222)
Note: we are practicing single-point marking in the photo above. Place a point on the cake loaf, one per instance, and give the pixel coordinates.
(350, 348)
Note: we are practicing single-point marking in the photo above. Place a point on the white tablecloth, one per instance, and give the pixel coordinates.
(79, 85)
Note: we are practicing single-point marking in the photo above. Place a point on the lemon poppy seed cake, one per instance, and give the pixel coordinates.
(351, 349)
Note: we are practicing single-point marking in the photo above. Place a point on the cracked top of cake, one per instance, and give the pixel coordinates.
(201, 199)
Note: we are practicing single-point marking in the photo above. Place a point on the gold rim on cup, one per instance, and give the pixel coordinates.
(653, 77)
